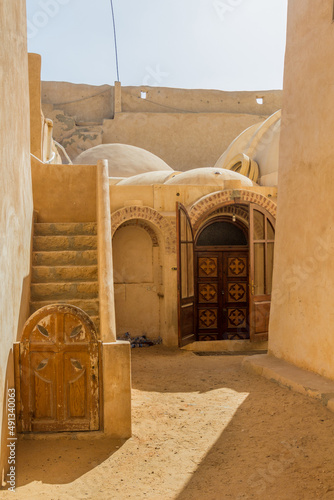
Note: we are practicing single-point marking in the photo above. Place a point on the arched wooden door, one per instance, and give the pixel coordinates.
(57, 372)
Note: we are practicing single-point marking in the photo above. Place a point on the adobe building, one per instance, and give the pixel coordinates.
(109, 227)
(303, 300)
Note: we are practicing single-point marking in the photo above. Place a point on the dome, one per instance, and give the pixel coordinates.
(209, 176)
(259, 144)
(147, 179)
(124, 160)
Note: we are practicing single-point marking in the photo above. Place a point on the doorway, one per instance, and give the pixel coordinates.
(221, 273)
(222, 298)
(225, 274)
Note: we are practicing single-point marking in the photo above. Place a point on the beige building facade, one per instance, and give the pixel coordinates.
(151, 211)
(302, 308)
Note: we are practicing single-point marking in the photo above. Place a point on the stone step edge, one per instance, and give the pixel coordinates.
(52, 283)
(71, 302)
(65, 228)
(292, 377)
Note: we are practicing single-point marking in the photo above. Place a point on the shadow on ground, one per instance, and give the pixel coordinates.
(61, 461)
(266, 441)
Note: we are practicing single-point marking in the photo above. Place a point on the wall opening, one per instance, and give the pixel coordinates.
(138, 280)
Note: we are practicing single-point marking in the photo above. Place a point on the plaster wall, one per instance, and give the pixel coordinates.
(163, 198)
(302, 311)
(64, 193)
(183, 140)
(147, 288)
(36, 115)
(15, 196)
(138, 282)
(89, 103)
(186, 128)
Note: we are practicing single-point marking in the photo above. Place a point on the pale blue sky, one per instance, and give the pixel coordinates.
(219, 44)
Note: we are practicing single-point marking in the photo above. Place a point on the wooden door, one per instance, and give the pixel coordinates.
(222, 305)
(235, 295)
(57, 372)
(209, 295)
(262, 238)
(185, 273)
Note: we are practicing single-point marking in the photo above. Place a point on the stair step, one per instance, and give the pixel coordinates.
(56, 274)
(53, 229)
(91, 307)
(65, 258)
(46, 243)
(64, 291)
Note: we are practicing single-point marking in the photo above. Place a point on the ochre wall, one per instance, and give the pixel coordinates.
(15, 195)
(302, 315)
(186, 128)
(138, 282)
(183, 140)
(36, 116)
(64, 193)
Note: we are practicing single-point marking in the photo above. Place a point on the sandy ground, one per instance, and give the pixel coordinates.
(203, 429)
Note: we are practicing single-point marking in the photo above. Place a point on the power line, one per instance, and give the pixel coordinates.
(115, 38)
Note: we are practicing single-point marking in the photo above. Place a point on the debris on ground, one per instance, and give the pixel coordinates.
(141, 341)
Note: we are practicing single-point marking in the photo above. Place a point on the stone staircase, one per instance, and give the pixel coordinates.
(65, 267)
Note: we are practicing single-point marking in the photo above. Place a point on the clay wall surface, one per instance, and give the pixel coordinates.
(15, 196)
(90, 103)
(138, 280)
(302, 311)
(150, 281)
(64, 193)
(186, 128)
(183, 141)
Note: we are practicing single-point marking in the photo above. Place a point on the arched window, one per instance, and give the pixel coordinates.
(222, 233)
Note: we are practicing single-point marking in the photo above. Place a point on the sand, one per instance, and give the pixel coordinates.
(203, 429)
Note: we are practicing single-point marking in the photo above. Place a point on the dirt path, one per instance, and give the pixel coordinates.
(203, 429)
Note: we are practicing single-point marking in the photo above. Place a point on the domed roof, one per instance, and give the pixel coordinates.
(209, 176)
(260, 144)
(124, 160)
(147, 179)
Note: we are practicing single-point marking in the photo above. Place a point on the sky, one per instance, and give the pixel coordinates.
(209, 44)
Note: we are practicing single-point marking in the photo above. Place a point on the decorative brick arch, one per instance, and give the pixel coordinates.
(209, 203)
(150, 215)
(143, 225)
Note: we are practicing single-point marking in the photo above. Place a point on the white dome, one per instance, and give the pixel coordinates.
(124, 160)
(147, 179)
(209, 176)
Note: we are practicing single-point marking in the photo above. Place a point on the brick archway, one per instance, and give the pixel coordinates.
(150, 215)
(209, 203)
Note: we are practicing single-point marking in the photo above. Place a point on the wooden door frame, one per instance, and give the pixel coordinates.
(191, 300)
(264, 299)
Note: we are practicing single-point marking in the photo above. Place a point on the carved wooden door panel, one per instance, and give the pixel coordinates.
(57, 372)
(209, 306)
(222, 306)
(235, 296)
(185, 275)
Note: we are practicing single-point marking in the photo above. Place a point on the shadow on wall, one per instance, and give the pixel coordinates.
(25, 306)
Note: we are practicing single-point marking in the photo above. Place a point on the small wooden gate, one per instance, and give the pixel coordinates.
(57, 372)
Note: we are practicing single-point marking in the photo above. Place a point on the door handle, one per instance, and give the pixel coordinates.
(223, 293)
